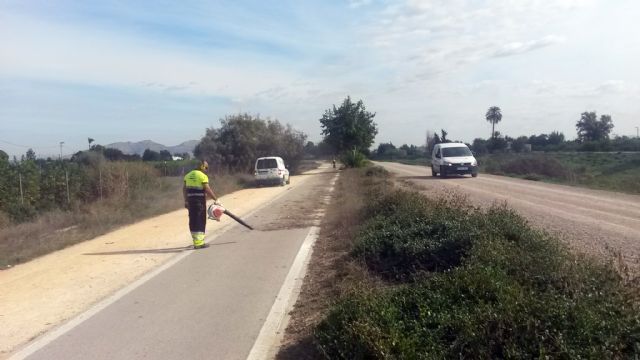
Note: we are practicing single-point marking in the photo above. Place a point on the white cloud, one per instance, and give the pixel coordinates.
(517, 48)
(430, 64)
(65, 53)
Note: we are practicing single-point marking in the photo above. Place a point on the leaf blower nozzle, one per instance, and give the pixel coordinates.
(215, 211)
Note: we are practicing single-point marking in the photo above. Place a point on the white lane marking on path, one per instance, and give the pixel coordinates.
(274, 326)
(52, 335)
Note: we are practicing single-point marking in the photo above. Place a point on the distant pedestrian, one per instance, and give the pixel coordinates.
(195, 190)
(333, 161)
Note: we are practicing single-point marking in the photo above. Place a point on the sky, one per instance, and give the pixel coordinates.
(117, 70)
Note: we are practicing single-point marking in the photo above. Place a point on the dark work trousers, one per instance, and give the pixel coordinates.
(197, 219)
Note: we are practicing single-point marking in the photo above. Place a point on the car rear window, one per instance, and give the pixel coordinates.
(456, 151)
(267, 164)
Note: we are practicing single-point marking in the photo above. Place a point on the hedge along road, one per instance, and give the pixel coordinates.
(590, 221)
(209, 303)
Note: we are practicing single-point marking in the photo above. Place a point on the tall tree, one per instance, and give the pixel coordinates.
(443, 138)
(150, 155)
(556, 138)
(386, 149)
(494, 116)
(591, 129)
(90, 140)
(31, 155)
(165, 155)
(349, 126)
(242, 138)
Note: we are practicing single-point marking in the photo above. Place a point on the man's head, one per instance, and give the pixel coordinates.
(203, 165)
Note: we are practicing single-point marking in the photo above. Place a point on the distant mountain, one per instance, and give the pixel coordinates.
(140, 146)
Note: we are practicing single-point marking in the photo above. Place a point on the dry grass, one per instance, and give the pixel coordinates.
(58, 229)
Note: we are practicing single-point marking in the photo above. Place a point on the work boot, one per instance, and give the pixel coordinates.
(201, 246)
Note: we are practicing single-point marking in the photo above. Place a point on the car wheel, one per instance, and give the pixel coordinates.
(443, 172)
(288, 180)
(433, 172)
(474, 175)
(283, 181)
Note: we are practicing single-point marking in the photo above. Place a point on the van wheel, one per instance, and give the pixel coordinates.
(474, 175)
(433, 172)
(443, 172)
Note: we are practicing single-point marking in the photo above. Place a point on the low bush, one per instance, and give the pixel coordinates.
(21, 212)
(353, 159)
(5, 220)
(480, 312)
(483, 284)
(406, 234)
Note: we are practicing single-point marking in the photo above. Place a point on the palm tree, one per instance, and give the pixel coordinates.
(494, 115)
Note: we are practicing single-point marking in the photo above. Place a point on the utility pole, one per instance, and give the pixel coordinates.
(61, 143)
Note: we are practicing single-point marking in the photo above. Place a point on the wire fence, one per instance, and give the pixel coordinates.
(29, 186)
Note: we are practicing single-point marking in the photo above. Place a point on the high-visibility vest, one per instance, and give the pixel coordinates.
(195, 181)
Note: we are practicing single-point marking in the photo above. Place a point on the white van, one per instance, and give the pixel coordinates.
(271, 170)
(453, 158)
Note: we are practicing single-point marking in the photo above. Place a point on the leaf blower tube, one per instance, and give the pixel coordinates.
(215, 212)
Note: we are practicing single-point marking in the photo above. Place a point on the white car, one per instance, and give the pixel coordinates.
(453, 158)
(271, 170)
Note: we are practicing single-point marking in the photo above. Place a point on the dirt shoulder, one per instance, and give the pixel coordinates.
(44, 293)
(331, 272)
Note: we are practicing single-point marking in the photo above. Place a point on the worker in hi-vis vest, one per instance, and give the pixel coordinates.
(195, 190)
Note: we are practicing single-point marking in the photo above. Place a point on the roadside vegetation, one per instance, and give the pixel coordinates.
(607, 171)
(349, 130)
(48, 204)
(429, 278)
(127, 192)
(242, 138)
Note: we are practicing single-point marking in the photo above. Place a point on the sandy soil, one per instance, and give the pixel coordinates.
(595, 222)
(42, 294)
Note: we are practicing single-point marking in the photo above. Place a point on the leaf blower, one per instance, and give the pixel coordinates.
(216, 210)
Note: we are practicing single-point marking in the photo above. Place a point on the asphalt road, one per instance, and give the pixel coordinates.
(591, 221)
(212, 303)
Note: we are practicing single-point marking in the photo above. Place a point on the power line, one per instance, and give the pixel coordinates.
(27, 146)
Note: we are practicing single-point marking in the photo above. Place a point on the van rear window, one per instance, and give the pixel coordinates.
(267, 164)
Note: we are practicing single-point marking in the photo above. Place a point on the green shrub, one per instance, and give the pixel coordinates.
(496, 288)
(400, 245)
(406, 234)
(21, 212)
(353, 159)
(480, 312)
(5, 220)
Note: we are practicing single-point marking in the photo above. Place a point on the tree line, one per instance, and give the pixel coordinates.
(593, 134)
